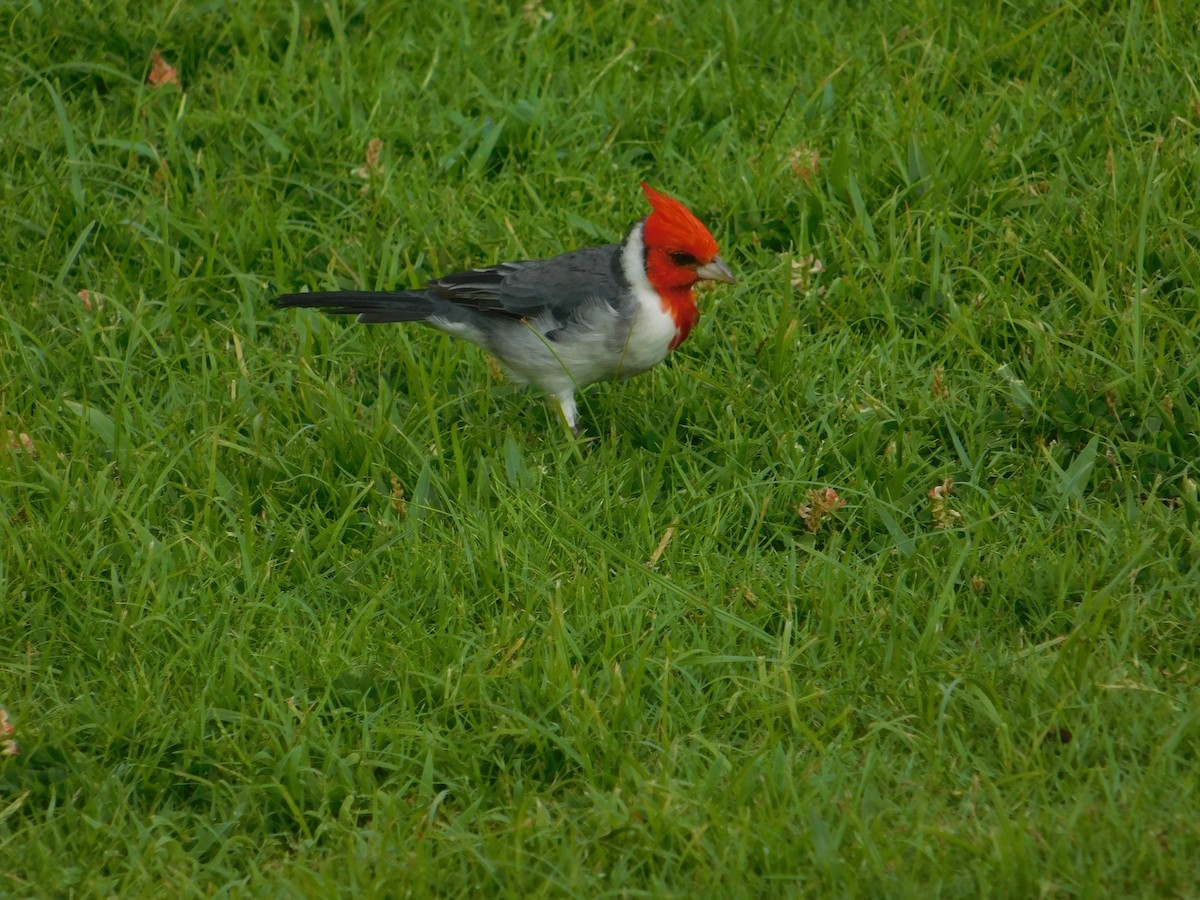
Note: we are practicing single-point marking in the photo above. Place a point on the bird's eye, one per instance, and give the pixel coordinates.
(682, 258)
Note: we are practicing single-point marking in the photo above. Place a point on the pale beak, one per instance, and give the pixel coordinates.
(715, 271)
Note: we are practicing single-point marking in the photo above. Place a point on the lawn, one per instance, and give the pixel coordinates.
(296, 607)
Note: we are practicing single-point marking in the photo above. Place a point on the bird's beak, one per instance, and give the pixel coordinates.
(716, 271)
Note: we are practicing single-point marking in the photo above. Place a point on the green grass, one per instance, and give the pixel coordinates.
(295, 608)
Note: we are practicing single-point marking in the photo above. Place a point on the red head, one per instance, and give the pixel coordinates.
(679, 252)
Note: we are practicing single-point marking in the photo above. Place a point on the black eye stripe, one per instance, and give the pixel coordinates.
(682, 258)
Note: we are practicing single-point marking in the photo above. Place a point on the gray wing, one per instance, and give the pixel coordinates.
(529, 288)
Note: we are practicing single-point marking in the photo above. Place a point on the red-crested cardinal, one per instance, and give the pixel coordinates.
(566, 322)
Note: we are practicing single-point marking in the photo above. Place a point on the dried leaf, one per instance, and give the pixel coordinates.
(372, 167)
(939, 382)
(24, 442)
(91, 299)
(821, 502)
(161, 72)
(8, 747)
(804, 270)
(662, 546)
(805, 161)
(939, 507)
(398, 501)
(533, 12)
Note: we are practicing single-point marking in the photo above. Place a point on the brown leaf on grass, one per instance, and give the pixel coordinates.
(821, 502)
(943, 490)
(939, 382)
(662, 546)
(805, 161)
(939, 507)
(161, 72)
(372, 167)
(534, 13)
(22, 441)
(397, 500)
(804, 272)
(90, 299)
(7, 747)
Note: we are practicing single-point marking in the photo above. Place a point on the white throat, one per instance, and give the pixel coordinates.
(652, 328)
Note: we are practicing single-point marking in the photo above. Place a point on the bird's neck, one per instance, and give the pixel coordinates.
(680, 304)
(673, 285)
(651, 267)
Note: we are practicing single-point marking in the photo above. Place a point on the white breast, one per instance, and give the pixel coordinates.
(652, 328)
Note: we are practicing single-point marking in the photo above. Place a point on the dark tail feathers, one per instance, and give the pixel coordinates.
(369, 306)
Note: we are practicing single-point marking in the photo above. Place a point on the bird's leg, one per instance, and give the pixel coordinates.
(566, 402)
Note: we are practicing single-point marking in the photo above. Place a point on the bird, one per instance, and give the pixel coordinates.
(563, 323)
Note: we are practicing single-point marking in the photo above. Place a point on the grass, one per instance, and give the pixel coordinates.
(296, 608)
